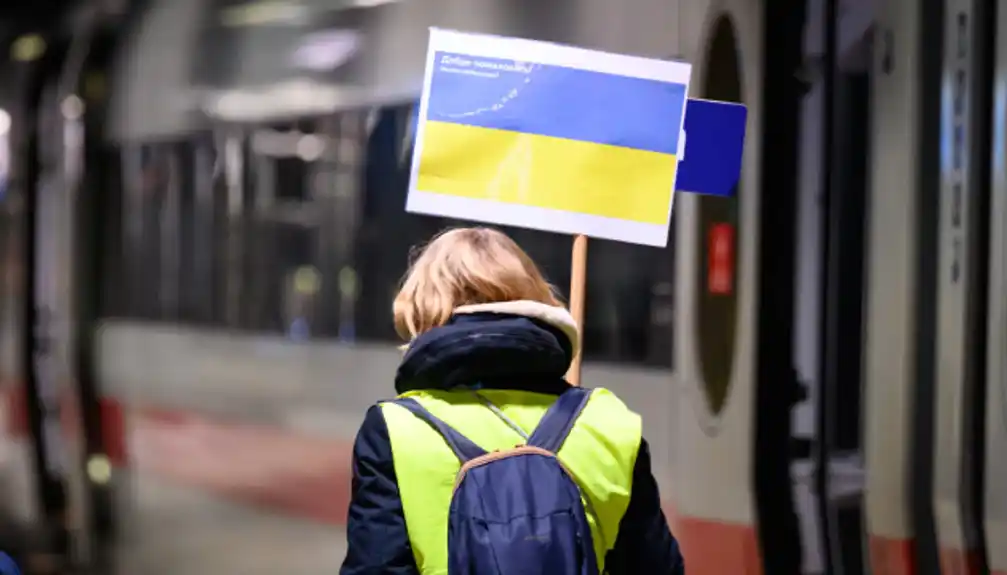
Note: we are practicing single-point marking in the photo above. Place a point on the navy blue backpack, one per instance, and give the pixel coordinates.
(517, 511)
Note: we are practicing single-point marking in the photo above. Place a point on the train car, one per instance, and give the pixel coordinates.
(204, 228)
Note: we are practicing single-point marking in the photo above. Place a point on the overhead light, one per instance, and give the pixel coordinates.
(264, 13)
(326, 50)
(310, 147)
(27, 48)
(72, 107)
(291, 98)
(307, 280)
(370, 3)
(99, 469)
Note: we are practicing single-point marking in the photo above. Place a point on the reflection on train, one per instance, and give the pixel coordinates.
(297, 229)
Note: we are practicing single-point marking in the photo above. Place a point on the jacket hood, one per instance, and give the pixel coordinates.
(521, 345)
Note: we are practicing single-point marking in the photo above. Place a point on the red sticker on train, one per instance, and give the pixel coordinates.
(720, 260)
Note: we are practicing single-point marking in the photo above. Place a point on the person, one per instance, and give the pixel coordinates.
(489, 345)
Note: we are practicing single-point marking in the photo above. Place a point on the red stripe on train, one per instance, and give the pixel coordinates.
(960, 562)
(716, 547)
(310, 477)
(267, 466)
(113, 428)
(896, 557)
(891, 556)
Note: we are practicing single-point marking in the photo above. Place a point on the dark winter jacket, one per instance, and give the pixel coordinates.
(525, 353)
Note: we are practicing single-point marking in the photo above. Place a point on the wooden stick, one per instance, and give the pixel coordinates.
(578, 286)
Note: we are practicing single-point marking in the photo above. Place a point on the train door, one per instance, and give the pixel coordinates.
(104, 468)
(777, 389)
(15, 475)
(832, 220)
(961, 286)
(900, 270)
(994, 514)
(45, 378)
(67, 424)
(734, 498)
(50, 311)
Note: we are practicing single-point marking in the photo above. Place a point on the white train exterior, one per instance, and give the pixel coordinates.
(177, 387)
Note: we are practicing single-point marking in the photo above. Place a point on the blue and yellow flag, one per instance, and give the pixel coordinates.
(551, 137)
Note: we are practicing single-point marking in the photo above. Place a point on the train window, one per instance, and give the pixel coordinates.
(716, 245)
(300, 229)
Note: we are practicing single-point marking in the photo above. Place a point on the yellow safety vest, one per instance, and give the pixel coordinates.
(600, 452)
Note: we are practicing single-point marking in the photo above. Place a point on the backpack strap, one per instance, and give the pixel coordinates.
(502, 416)
(557, 422)
(462, 446)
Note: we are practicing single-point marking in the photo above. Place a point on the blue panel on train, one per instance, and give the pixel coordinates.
(714, 142)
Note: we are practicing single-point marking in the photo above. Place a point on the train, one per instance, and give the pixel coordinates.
(203, 227)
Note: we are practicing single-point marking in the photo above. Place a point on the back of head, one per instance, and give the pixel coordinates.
(466, 266)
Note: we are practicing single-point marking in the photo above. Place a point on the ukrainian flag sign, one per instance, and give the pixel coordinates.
(539, 135)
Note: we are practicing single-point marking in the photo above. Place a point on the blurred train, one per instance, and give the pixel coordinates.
(203, 226)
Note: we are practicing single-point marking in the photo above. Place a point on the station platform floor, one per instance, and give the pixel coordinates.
(180, 530)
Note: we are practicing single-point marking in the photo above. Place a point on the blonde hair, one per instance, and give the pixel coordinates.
(466, 266)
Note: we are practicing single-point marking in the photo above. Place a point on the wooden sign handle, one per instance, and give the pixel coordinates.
(578, 285)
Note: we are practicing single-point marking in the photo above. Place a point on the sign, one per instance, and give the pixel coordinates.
(539, 135)
(715, 148)
(716, 142)
(720, 266)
